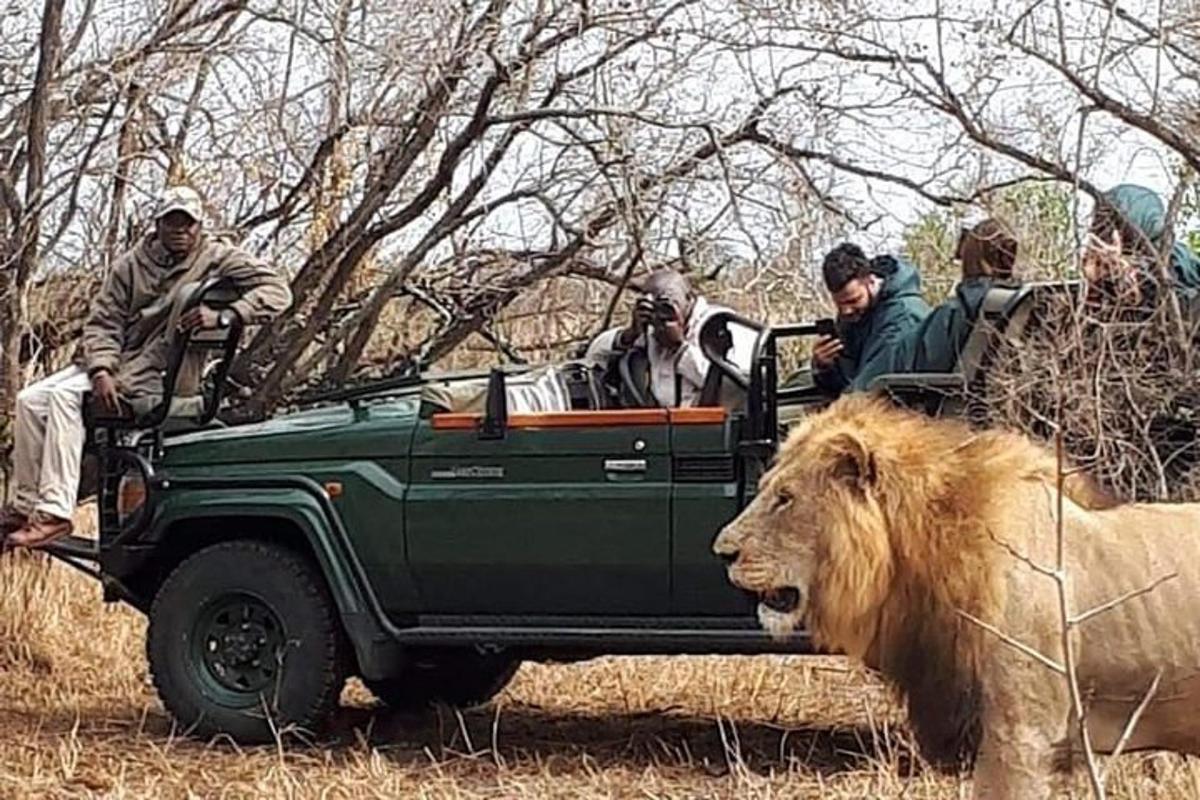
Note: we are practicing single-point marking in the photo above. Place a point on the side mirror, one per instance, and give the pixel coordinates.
(495, 418)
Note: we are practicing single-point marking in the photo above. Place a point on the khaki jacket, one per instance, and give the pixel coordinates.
(132, 321)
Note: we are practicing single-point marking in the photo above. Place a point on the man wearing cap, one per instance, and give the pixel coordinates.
(123, 353)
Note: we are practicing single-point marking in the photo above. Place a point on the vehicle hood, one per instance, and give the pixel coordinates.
(337, 432)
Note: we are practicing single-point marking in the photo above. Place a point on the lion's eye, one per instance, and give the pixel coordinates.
(783, 499)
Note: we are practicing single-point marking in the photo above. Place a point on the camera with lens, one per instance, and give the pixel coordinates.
(660, 310)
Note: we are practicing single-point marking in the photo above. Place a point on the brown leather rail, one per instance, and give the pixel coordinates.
(588, 419)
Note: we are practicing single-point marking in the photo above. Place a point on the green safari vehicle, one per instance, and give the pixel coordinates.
(430, 533)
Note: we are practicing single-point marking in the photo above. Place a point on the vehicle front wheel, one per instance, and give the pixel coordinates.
(457, 677)
(244, 640)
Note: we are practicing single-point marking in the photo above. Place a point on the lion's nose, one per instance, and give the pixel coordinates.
(725, 545)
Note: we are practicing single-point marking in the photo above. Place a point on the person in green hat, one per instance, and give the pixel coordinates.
(1128, 235)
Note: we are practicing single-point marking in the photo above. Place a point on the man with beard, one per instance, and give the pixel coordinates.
(879, 303)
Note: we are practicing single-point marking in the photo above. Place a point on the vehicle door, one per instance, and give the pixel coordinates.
(705, 497)
(568, 513)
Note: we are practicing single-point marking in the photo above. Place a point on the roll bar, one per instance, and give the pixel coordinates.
(104, 433)
(216, 293)
(761, 428)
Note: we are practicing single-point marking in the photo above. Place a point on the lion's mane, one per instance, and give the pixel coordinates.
(924, 551)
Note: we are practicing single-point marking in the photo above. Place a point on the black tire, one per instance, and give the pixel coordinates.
(244, 640)
(456, 677)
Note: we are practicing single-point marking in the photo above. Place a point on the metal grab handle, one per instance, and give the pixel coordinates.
(625, 465)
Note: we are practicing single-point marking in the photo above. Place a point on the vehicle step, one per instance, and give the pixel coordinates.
(75, 547)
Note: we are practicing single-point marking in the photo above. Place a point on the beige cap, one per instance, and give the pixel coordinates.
(179, 198)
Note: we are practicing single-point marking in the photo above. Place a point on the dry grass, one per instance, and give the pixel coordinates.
(78, 718)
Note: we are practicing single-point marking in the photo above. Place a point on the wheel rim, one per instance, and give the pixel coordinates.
(237, 649)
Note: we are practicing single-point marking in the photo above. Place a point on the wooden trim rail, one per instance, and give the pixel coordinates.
(710, 415)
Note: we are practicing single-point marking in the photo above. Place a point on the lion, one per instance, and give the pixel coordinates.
(926, 549)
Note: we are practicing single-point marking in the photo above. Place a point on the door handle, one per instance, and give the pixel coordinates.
(625, 465)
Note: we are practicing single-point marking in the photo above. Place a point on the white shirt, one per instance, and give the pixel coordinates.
(688, 361)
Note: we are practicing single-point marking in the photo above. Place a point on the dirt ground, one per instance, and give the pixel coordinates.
(79, 718)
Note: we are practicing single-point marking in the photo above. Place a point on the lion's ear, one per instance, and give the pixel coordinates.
(853, 464)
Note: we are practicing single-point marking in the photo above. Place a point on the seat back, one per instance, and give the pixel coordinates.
(633, 367)
(994, 314)
(728, 342)
(540, 389)
(710, 392)
(152, 411)
(962, 390)
(554, 387)
(988, 330)
(584, 385)
(1009, 316)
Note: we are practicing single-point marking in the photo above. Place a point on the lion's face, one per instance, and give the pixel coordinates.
(813, 544)
(773, 545)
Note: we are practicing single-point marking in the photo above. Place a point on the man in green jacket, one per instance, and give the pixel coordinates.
(123, 354)
(879, 303)
(987, 253)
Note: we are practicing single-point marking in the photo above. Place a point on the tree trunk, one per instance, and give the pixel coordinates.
(27, 227)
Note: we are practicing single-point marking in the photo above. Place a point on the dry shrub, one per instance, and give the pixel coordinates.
(556, 318)
(1121, 382)
(27, 601)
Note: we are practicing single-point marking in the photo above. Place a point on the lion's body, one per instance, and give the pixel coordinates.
(900, 526)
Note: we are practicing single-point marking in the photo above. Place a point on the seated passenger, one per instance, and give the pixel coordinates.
(123, 353)
(878, 303)
(987, 253)
(666, 322)
(1129, 232)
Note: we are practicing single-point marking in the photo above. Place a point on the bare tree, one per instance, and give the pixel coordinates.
(546, 137)
(24, 213)
(426, 171)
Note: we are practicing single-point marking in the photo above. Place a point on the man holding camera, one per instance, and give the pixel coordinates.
(666, 321)
(879, 303)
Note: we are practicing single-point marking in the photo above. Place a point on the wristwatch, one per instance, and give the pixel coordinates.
(225, 317)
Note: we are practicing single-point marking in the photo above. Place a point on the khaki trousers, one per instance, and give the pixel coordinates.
(48, 443)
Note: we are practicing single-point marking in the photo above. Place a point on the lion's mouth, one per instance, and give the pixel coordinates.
(784, 600)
